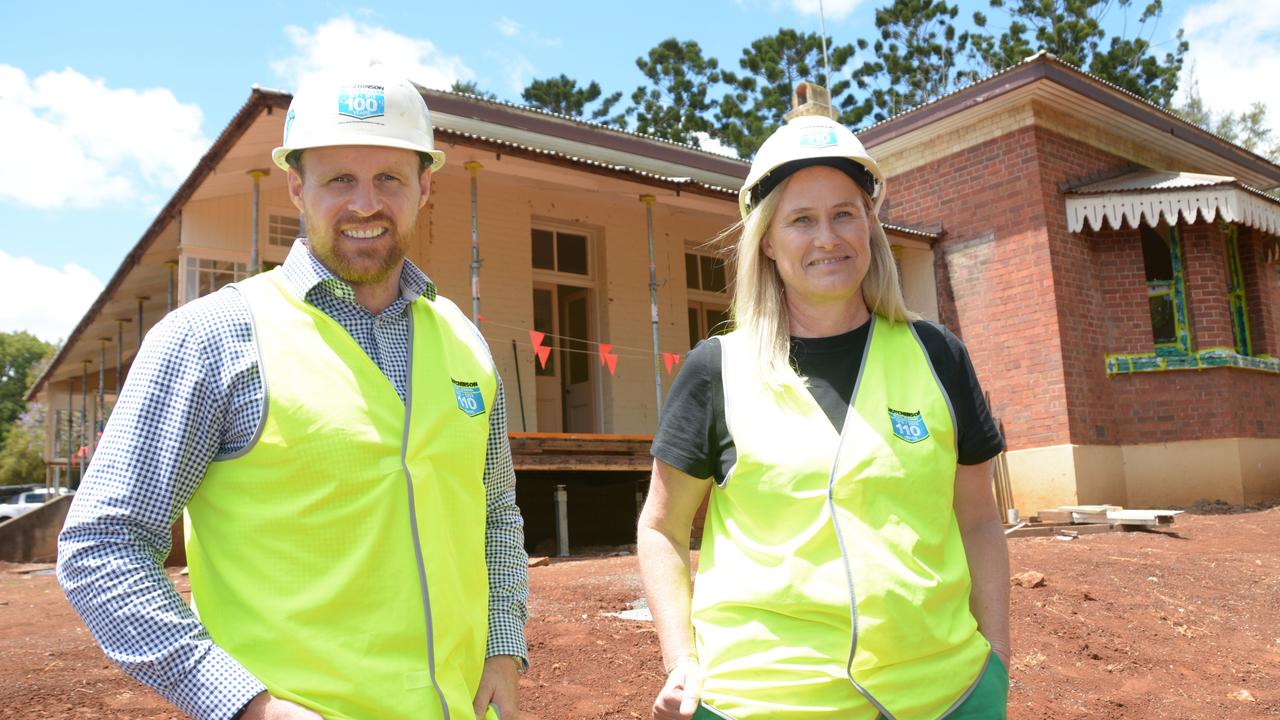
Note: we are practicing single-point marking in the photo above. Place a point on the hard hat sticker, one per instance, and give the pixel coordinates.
(818, 137)
(908, 426)
(288, 123)
(362, 102)
(470, 401)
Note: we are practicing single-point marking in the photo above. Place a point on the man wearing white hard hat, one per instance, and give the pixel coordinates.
(336, 433)
(852, 565)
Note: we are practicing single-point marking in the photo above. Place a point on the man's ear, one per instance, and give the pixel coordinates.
(294, 181)
(424, 182)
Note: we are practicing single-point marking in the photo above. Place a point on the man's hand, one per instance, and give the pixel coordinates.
(679, 698)
(499, 686)
(266, 707)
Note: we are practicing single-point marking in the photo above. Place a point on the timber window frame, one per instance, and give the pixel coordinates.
(1166, 289)
(707, 284)
(1236, 292)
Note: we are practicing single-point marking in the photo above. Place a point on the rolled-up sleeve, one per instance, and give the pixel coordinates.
(161, 435)
(508, 564)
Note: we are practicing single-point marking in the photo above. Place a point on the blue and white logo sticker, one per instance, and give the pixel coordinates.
(818, 137)
(908, 426)
(362, 102)
(288, 123)
(470, 401)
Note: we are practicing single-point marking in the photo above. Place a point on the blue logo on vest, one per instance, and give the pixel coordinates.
(908, 426)
(362, 102)
(470, 401)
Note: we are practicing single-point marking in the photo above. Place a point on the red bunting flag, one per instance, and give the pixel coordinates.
(541, 351)
(607, 357)
(670, 360)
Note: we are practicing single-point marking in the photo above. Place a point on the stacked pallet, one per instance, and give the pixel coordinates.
(1074, 520)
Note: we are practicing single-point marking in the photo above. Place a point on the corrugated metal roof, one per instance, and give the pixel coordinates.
(1152, 180)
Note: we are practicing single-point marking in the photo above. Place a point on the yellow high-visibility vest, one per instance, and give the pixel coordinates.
(340, 558)
(832, 582)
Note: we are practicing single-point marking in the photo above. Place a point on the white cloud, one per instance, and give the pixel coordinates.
(831, 9)
(343, 44)
(519, 74)
(44, 301)
(1235, 53)
(72, 141)
(512, 29)
(508, 27)
(712, 145)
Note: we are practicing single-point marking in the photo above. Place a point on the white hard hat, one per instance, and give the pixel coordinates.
(805, 141)
(370, 108)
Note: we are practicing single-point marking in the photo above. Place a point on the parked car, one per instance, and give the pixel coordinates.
(24, 503)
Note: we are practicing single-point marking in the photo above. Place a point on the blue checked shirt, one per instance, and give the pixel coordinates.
(194, 395)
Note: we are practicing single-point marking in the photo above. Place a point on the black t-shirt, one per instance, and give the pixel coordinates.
(694, 438)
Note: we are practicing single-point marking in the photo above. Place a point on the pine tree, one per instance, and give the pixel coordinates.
(562, 95)
(676, 104)
(469, 87)
(917, 56)
(771, 68)
(1072, 30)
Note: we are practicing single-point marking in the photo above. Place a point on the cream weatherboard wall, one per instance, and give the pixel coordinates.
(613, 218)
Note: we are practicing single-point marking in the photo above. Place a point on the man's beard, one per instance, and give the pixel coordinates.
(360, 262)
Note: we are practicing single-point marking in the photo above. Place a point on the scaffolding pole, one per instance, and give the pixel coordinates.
(473, 167)
(257, 174)
(653, 306)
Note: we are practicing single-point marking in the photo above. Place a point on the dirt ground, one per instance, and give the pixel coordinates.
(1183, 623)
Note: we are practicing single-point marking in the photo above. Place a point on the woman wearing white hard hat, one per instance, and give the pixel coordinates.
(853, 564)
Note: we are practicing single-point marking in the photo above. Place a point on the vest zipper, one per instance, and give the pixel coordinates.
(413, 524)
(835, 524)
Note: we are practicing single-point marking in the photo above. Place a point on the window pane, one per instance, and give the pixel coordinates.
(542, 322)
(712, 273)
(1156, 255)
(717, 321)
(695, 332)
(544, 254)
(691, 272)
(571, 253)
(1163, 328)
(574, 325)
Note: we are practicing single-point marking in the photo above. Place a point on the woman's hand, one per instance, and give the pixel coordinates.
(680, 696)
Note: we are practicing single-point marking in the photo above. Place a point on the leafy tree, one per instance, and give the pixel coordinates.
(1249, 129)
(1072, 30)
(771, 67)
(22, 452)
(917, 56)
(470, 87)
(20, 352)
(563, 95)
(676, 104)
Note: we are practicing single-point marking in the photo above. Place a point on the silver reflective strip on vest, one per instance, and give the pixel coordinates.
(413, 525)
(835, 523)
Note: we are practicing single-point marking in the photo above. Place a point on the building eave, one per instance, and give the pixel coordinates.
(1044, 67)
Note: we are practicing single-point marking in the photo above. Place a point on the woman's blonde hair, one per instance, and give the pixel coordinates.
(759, 306)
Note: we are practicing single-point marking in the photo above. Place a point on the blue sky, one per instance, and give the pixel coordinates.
(106, 107)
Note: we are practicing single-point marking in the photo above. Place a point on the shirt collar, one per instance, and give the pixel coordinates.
(303, 273)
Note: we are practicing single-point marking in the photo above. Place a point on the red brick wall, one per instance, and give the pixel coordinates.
(1122, 282)
(995, 288)
(1204, 253)
(1040, 308)
(1197, 405)
(1087, 333)
(1262, 292)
